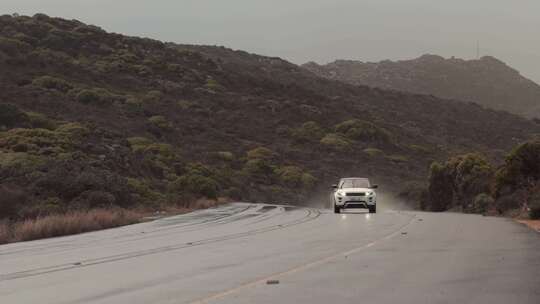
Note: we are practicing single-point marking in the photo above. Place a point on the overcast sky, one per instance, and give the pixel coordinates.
(322, 30)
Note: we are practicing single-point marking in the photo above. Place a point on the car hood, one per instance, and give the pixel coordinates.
(356, 189)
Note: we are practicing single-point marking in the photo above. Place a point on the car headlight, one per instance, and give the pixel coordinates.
(339, 193)
(370, 193)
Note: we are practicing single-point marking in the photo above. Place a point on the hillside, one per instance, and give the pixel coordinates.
(486, 81)
(91, 119)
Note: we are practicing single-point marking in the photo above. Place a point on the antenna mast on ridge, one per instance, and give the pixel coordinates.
(477, 49)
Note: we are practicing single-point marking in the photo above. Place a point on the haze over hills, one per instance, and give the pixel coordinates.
(92, 119)
(487, 81)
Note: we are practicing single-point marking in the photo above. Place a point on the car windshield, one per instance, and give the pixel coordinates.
(355, 183)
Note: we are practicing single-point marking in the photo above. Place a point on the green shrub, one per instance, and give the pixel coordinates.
(96, 96)
(75, 130)
(153, 96)
(22, 162)
(13, 199)
(213, 85)
(11, 116)
(260, 153)
(440, 189)
(363, 131)
(197, 184)
(52, 83)
(13, 47)
(139, 143)
(481, 203)
(309, 131)
(290, 175)
(34, 139)
(185, 104)
(225, 155)
(373, 152)
(160, 122)
(38, 120)
(144, 193)
(459, 181)
(506, 203)
(534, 203)
(336, 142)
(258, 169)
(397, 158)
(293, 176)
(522, 167)
(420, 149)
(161, 151)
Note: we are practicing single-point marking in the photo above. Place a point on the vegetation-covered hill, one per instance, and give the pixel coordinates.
(91, 119)
(487, 81)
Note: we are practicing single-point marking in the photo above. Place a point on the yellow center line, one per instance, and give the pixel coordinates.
(296, 269)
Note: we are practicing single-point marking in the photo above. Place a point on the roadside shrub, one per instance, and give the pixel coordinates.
(11, 116)
(336, 142)
(73, 181)
(52, 83)
(521, 169)
(506, 203)
(309, 131)
(143, 192)
(534, 203)
(482, 202)
(459, 181)
(441, 192)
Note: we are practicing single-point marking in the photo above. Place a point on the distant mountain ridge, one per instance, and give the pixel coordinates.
(487, 81)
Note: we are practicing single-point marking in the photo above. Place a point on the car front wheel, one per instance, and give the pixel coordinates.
(337, 209)
(372, 209)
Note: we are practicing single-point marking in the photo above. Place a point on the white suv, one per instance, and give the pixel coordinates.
(354, 192)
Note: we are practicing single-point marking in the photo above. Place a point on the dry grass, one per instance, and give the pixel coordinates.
(84, 221)
(71, 223)
(533, 224)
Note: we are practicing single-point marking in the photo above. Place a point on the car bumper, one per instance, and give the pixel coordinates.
(348, 202)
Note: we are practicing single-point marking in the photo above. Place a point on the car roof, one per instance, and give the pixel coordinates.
(347, 178)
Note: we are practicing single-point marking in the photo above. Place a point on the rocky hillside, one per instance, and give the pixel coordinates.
(486, 81)
(91, 119)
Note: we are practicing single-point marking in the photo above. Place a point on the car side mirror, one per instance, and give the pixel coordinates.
(334, 186)
(374, 186)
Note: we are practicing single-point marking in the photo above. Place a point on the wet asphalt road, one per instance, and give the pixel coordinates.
(231, 254)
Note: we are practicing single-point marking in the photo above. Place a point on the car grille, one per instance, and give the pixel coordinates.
(356, 193)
